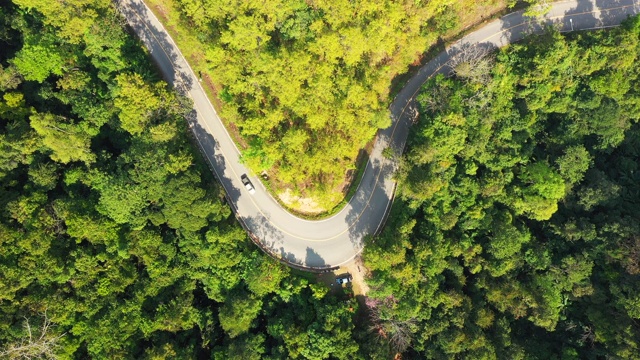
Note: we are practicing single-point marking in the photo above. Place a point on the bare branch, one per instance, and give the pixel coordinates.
(435, 101)
(29, 348)
(588, 336)
(397, 332)
(473, 64)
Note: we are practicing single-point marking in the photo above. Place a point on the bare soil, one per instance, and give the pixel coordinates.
(358, 284)
(474, 13)
(304, 205)
(359, 273)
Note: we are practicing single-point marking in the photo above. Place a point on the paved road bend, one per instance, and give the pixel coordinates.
(338, 239)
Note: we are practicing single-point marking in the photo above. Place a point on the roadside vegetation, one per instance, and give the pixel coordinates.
(303, 86)
(515, 234)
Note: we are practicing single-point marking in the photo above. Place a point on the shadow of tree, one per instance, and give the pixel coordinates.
(314, 258)
(171, 64)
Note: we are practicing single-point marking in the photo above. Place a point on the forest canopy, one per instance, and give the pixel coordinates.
(514, 235)
(516, 232)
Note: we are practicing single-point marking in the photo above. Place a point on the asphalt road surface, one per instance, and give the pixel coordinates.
(338, 239)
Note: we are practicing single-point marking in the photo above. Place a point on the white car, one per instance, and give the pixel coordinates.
(347, 278)
(247, 184)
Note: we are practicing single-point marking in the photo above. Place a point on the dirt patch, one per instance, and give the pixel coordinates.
(303, 205)
(359, 274)
(161, 12)
(473, 13)
(358, 284)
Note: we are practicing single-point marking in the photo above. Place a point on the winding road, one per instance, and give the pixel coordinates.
(337, 240)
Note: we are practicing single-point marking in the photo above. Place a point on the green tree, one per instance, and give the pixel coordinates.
(574, 163)
(37, 62)
(543, 188)
(492, 252)
(66, 140)
(238, 313)
(136, 102)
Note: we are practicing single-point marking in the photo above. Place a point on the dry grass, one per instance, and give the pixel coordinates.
(359, 272)
(305, 205)
(472, 13)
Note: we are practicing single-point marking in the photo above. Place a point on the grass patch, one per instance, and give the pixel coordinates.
(310, 276)
(351, 189)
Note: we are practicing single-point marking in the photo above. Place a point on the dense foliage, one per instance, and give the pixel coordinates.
(306, 82)
(516, 233)
(115, 243)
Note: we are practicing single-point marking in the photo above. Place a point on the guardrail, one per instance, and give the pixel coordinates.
(387, 211)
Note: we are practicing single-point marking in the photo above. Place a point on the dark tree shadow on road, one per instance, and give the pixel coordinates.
(313, 258)
(371, 202)
(211, 152)
(583, 8)
(289, 258)
(169, 62)
(267, 237)
(624, 10)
